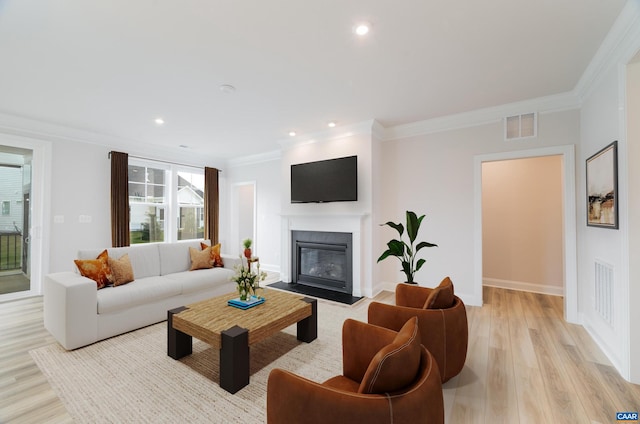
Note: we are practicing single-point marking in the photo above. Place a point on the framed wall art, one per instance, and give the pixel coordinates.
(602, 188)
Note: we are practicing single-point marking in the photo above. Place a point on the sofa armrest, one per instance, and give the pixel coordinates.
(294, 399)
(71, 309)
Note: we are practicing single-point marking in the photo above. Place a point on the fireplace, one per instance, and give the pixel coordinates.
(322, 259)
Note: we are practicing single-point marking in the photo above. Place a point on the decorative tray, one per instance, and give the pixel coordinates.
(246, 304)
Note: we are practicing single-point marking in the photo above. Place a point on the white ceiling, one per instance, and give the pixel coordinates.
(113, 66)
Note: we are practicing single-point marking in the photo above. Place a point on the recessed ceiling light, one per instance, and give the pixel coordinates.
(292, 133)
(362, 28)
(227, 88)
(159, 121)
(331, 124)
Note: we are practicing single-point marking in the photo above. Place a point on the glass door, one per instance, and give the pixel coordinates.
(15, 190)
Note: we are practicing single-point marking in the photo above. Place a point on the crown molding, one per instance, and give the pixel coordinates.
(47, 131)
(547, 104)
(619, 46)
(254, 159)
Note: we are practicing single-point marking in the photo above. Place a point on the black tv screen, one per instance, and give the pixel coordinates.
(333, 180)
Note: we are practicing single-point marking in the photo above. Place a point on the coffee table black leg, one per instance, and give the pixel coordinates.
(308, 327)
(178, 343)
(234, 359)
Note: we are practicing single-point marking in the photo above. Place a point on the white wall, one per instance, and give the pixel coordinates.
(80, 185)
(433, 175)
(266, 176)
(522, 229)
(600, 125)
(633, 144)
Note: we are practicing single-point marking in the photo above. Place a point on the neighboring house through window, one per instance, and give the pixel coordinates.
(161, 194)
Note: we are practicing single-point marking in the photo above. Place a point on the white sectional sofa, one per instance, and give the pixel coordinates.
(77, 314)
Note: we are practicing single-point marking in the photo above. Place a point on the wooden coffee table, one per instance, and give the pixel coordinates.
(233, 330)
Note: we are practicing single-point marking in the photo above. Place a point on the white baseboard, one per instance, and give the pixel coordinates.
(523, 286)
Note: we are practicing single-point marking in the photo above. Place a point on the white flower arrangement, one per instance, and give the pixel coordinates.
(247, 280)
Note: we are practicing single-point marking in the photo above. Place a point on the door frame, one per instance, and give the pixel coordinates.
(570, 271)
(40, 199)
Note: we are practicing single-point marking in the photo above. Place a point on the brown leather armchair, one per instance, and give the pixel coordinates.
(388, 377)
(442, 319)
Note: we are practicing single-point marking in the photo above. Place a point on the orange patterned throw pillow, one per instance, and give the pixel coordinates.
(121, 270)
(96, 269)
(200, 259)
(215, 254)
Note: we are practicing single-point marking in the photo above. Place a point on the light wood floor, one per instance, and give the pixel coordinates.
(524, 364)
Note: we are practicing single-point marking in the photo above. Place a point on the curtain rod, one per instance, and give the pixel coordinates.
(164, 161)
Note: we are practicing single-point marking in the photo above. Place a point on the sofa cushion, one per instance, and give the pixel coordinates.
(138, 292)
(97, 269)
(144, 258)
(441, 297)
(174, 257)
(121, 270)
(204, 279)
(396, 365)
(200, 259)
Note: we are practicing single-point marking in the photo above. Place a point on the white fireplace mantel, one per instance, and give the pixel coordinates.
(345, 223)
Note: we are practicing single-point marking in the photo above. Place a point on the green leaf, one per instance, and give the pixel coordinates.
(424, 244)
(398, 227)
(413, 225)
(396, 247)
(419, 264)
(385, 255)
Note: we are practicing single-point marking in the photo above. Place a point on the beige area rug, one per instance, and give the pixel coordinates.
(130, 378)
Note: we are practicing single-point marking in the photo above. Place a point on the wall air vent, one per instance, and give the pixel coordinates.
(603, 291)
(521, 126)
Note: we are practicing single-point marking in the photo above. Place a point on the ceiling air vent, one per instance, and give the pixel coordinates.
(520, 126)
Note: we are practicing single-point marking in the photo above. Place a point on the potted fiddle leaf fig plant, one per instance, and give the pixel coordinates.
(406, 251)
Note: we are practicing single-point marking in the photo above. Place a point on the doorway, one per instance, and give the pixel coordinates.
(522, 240)
(568, 221)
(243, 215)
(32, 158)
(15, 219)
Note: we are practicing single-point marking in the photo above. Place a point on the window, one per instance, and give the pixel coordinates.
(147, 203)
(6, 207)
(191, 205)
(161, 194)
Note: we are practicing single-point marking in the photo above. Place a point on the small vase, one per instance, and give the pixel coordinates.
(244, 294)
(247, 253)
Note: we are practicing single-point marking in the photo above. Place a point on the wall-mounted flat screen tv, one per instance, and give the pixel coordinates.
(333, 180)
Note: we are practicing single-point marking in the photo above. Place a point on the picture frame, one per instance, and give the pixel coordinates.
(602, 188)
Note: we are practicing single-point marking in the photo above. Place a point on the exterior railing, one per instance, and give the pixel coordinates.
(10, 250)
